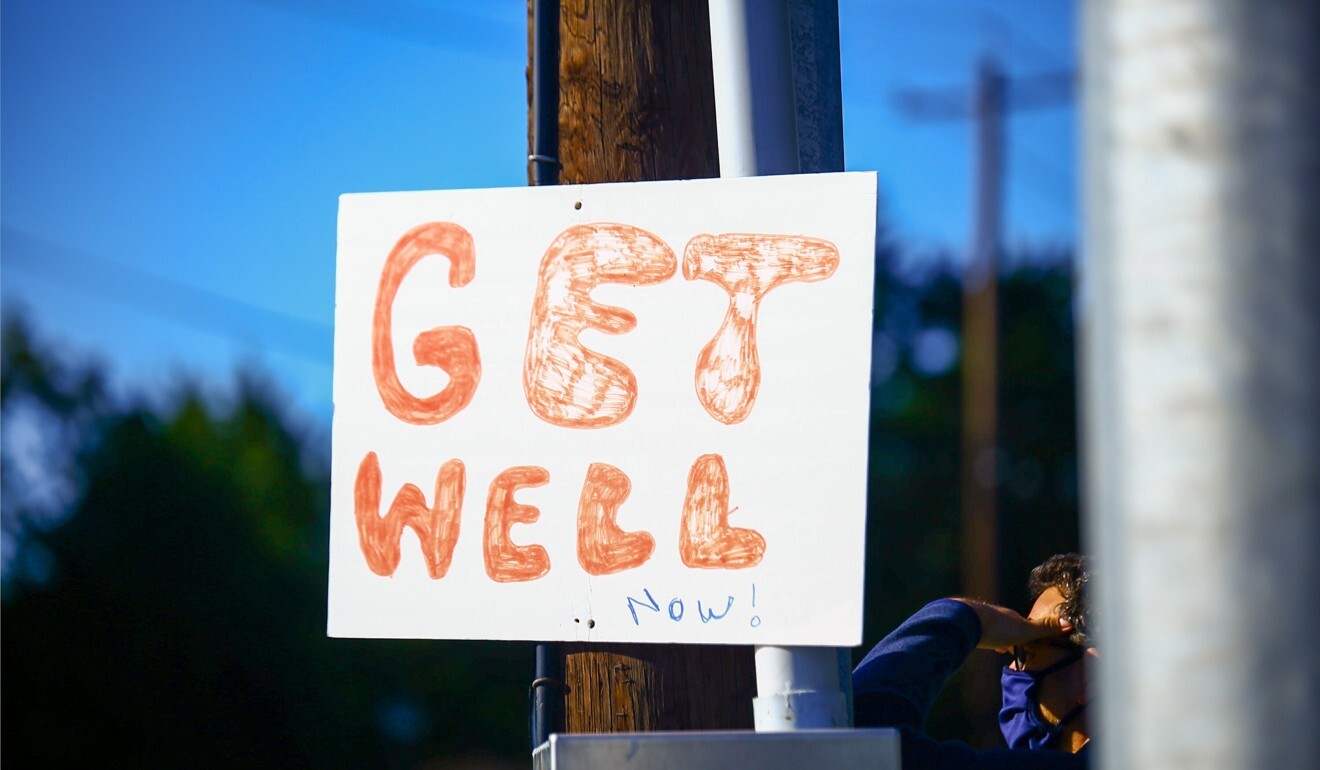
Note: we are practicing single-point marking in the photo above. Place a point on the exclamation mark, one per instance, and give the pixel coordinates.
(756, 619)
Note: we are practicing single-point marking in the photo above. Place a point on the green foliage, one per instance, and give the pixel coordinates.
(181, 620)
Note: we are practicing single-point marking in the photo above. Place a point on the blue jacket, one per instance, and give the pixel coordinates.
(896, 684)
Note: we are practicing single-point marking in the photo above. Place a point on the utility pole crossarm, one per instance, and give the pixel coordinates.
(943, 104)
(1040, 91)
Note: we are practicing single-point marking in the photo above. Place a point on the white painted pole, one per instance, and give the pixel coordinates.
(1201, 358)
(752, 63)
(798, 688)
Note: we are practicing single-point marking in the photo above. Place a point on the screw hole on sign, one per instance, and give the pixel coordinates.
(591, 624)
(577, 206)
(575, 620)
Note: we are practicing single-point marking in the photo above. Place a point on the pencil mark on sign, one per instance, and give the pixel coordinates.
(565, 383)
(747, 266)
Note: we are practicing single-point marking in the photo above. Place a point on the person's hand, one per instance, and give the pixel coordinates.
(1002, 628)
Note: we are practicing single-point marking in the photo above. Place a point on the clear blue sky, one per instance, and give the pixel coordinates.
(169, 170)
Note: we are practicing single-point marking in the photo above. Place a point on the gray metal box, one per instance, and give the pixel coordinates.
(875, 749)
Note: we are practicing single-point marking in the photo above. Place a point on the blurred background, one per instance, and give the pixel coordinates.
(168, 208)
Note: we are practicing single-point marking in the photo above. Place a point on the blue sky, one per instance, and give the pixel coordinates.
(170, 171)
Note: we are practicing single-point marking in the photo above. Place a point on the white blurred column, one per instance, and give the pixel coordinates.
(798, 688)
(1200, 299)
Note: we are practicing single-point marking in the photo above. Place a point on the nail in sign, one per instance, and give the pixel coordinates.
(625, 412)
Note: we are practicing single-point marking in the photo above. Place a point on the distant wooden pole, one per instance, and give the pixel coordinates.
(980, 398)
(980, 391)
(637, 104)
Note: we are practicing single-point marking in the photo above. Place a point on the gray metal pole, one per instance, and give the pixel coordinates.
(547, 686)
(1201, 322)
(544, 157)
(798, 688)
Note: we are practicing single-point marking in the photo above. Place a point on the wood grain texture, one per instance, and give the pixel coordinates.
(649, 687)
(637, 103)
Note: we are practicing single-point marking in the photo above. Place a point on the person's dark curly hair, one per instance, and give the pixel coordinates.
(1070, 573)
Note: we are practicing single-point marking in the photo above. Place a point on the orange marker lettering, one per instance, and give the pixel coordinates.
(507, 562)
(451, 348)
(747, 266)
(436, 526)
(604, 548)
(705, 538)
(565, 383)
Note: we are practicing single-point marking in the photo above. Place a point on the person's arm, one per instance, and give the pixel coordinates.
(900, 678)
(1002, 628)
(897, 682)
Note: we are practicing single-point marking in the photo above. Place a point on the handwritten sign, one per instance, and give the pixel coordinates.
(621, 412)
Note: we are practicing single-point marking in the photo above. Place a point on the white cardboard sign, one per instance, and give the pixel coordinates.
(617, 412)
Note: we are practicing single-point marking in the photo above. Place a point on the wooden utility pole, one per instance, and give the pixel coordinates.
(636, 99)
(988, 105)
(979, 549)
(980, 346)
(979, 516)
(637, 104)
(979, 485)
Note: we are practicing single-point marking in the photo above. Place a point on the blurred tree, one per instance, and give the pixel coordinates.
(48, 407)
(180, 616)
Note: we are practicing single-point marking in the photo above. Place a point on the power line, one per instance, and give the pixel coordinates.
(1037, 91)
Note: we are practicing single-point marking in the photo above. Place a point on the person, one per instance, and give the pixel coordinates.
(1045, 684)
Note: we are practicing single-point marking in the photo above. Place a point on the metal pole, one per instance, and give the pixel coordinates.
(756, 120)
(547, 687)
(798, 687)
(1201, 344)
(547, 693)
(544, 157)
